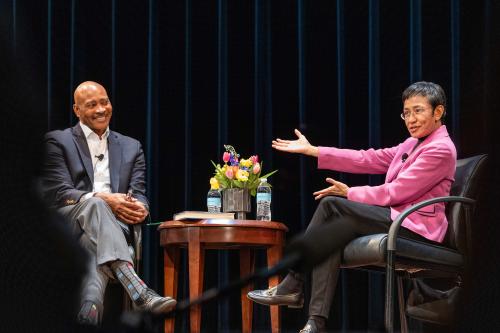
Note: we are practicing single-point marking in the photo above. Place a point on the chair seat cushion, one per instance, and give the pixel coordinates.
(370, 250)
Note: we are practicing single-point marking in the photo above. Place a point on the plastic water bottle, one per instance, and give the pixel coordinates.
(264, 201)
(214, 201)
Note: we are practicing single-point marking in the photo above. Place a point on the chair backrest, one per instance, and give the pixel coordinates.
(468, 176)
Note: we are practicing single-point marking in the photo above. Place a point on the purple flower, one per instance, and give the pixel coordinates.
(233, 160)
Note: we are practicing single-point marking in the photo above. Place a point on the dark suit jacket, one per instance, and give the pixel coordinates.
(68, 171)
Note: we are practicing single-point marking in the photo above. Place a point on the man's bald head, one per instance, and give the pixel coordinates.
(84, 89)
(92, 106)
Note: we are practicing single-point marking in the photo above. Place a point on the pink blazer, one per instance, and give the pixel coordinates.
(427, 172)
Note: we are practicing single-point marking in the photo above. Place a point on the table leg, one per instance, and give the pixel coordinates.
(274, 254)
(196, 265)
(246, 267)
(170, 273)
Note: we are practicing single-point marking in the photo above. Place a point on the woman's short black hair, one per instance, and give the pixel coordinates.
(434, 93)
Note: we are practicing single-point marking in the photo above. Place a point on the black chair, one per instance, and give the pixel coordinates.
(408, 258)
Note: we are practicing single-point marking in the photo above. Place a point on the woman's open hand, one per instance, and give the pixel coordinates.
(337, 188)
(299, 146)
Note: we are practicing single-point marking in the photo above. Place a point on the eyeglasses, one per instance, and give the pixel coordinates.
(407, 114)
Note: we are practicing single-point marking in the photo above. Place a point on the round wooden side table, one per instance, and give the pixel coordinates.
(244, 235)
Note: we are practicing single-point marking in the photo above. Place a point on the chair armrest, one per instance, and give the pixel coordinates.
(394, 229)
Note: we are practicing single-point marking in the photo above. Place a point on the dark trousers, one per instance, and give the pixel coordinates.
(347, 220)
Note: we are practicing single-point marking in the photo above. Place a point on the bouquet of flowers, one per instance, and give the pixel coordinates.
(238, 173)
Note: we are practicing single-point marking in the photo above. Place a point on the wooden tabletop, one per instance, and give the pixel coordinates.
(224, 223)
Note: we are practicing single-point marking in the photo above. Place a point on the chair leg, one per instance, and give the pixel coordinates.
(401, 299)
(389, 292)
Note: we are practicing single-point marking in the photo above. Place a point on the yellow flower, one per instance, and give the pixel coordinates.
(214, 184)
(246, 163)
(242, 175)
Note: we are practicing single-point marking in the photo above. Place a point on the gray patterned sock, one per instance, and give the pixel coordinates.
(127, 276)
(89, 314)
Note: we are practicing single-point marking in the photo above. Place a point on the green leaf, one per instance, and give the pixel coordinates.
(216, 166)
(224, 183)
(267, 175)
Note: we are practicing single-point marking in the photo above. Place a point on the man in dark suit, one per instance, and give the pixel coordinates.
(96, 179)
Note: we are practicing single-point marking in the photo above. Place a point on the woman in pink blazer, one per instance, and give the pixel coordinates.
(420, 168)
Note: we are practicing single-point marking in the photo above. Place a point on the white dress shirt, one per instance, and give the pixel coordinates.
(98, 146)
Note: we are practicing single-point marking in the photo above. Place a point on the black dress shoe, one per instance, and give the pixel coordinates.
(269, 297)
(311, 328)
(150, 301)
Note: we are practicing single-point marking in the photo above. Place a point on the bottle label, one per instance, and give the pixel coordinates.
(213, 202)
(264, 197)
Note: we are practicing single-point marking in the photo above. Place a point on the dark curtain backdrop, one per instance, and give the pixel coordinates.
(186, 77)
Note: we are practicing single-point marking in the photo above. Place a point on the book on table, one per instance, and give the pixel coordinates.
(201, 215)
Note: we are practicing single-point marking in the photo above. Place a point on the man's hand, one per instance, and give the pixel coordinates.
(337, 188)
(128, 211)
(300, 146)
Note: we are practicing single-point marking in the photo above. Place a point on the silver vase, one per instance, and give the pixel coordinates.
(236, 200)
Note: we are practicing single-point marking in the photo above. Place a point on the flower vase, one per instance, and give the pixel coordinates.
(236, 200)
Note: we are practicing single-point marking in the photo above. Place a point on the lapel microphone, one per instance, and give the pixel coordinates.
(100, 157)
(405, 155)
